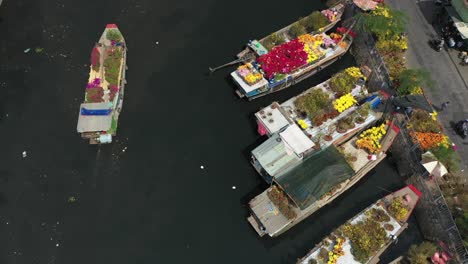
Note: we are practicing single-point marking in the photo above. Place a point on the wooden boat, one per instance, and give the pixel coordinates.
(384, 217)
(264, 84)
(252, 49)
(99, 113)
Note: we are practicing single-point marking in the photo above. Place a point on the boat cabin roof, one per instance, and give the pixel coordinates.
(94, 123)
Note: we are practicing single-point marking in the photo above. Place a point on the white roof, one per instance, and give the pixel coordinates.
(296, 139)
(248, 88)
(94, 123)
(269, 113)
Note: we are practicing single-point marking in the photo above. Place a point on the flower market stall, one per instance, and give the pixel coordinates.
(363, 238)
(104, 92)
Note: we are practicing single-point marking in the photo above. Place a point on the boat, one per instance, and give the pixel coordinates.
(309, 162)
(289, 63)
(99, 113)
(381, 223)
(257, 47)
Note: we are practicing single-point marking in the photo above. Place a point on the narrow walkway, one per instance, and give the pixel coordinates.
(450, 78)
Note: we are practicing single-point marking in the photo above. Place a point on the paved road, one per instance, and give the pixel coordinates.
(450, 78)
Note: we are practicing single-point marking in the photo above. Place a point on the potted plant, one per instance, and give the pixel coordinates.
(330, 131)
(344, 124)
(363, 112)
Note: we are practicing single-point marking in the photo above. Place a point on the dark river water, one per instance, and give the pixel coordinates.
(69, 202)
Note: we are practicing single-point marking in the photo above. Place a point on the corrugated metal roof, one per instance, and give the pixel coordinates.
(273, 157)
(296, 139)
(94, 123)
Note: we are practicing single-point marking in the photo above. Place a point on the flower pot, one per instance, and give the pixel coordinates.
(327, 138)
(359, 120)
(341, 130)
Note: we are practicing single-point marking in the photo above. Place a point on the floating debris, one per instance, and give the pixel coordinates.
(202, 167)
(38, 50)
(25, 154)
(71, 199)
(27, 50)
(234, 187)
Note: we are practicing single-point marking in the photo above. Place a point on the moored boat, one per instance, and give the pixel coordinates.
(330, 18)
(310, 159)
(99, 113)
(290, 62)
(363, 238)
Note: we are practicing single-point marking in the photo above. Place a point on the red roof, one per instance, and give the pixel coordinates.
(111, 26)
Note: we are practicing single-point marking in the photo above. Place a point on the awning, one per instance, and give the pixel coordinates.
(458, 22)
(296, 139)
(461, 8)
(365, 4)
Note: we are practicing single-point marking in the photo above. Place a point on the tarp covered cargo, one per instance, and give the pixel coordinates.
(315, 176)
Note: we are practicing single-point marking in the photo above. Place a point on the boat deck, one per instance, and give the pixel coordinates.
(268, 214)
(398, 228)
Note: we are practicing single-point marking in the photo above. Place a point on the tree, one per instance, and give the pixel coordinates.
(410, 80)
(385, 22)
(419, 254)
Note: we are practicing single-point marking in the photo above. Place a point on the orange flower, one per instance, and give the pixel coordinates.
(427, 140)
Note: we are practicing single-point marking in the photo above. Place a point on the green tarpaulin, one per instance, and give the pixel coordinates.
(315, 176)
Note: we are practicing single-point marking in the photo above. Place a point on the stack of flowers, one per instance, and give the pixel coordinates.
(312, 46)
(344, 102)
(381, 10)
(336, 252)
(370, 139)
(248, 74)
(113, 91)
(355, 72)
(284, 58)
(336, 37)
(95, 59)
(428, 140)
(331, 15)
(343, 30)
(95, 83)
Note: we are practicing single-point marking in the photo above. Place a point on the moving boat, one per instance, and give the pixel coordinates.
(99, 113)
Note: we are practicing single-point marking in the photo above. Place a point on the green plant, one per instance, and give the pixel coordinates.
(310, 103)
(342, 83)
(345, 123)
(410, 79)
(273, 40)
(398, 209)
(315, 21)
(281, 201)
(323, 254)
(462, 224)
(421, 121)
(419, 254)
(112, 66)
(296, 30)
(385, 22)
(448, 156)
(364, 109)
(113, 35)
(366, 238)
(378, 215)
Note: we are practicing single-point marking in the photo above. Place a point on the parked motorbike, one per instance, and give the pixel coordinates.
(437, 44)
(462, 128)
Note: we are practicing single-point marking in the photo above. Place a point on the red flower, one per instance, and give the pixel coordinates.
(284, 58)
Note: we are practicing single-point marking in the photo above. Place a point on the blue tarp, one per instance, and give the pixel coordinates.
(96, 112)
